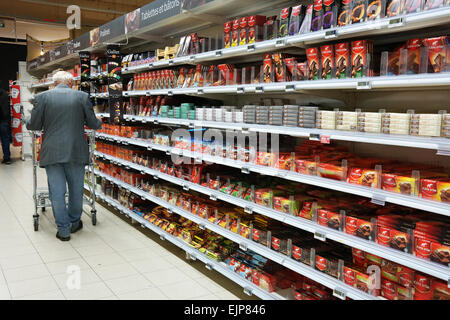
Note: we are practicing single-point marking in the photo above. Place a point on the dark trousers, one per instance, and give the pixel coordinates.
(5, 137)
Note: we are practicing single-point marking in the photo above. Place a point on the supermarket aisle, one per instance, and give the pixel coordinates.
(115, 260)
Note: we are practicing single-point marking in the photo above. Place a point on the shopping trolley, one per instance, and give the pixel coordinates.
(41, 195)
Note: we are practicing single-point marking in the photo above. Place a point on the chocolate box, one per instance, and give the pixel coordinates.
(243, 25)
(435, 189)
(358, 11)
(344, 13)
(255, 28)
(342, 60)
(375, 9)
(267, 68)
(329, 17)
(313, 58)
(235, 33)
(413, 62)
(394, 7)
(437, 53)
(227, 34)
(283, 29)
(361, 58)
(296, 19)
(327, 60)
(412, 6)
(317, 14)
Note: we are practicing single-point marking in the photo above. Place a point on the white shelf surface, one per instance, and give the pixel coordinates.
(49, 83)
(383, 26)
(372, 193)
(434, 143)
(303, 269)
(405, 82)
(408, 260)
(193, 253)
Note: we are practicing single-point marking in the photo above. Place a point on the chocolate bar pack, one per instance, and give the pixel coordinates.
(317, 14)
(283, 29)
(361, 58)
(296, 19)
(342, 60)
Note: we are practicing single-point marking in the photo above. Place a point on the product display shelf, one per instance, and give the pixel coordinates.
(401, 23)
(48, 83)
(249, 288)
(245, 244)
(403, 82)
(409, 260)
(377, 195)
(441, 145)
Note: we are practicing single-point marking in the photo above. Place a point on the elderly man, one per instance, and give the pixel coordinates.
(62, 113)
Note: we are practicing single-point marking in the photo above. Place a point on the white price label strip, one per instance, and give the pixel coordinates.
(339, 293)
(320, 236)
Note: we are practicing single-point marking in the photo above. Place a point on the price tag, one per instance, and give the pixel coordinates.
(148, 93)
(245, 170)
(378, 199)
(396, 22)
(198, 160)
(248, 291)
(443, 150)
(213, 197)
(248, 210)
(200, 91)
(191, 125)
(219, 53)
(329, 34)
(127, 167)
(156, 121)
(243, 246)
(168, 152)
(171, 62)
(339, 293)
(314, 136)
(280, 43)
(125, 93)
(202, 226)
(162, 237)
(209, 266)
(320, 236)
(149, 148)
(240, 90)
(155, 176)
(363, 85)
(290, 88)
(185, 187)
(259, 89)
(325, 139)
(142, 226)
(150, 65)
(192, 58)
(169, 210)
(251, 47)
(192, 256)
(170, 93)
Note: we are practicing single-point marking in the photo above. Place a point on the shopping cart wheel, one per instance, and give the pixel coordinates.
(94, 217)
(36, 224)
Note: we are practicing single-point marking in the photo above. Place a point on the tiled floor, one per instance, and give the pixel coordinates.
(114, 259)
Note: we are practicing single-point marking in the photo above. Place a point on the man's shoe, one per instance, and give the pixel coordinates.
(6, 161)
(62, 238)
(80, 226)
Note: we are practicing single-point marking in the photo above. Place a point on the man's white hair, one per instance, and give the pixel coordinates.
(62, 77)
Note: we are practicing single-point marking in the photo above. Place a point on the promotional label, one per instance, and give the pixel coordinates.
(85, 69)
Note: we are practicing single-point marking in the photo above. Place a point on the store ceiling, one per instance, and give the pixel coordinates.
(93, 12)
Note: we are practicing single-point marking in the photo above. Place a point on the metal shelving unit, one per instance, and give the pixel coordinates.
(441, 145)
(303, 269)
(409, 260)
(377, 195)
(383, 26)
(249, 287)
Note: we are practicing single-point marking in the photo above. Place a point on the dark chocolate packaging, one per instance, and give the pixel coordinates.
(394, 7)
(412, 6)
(329, 17)
(255, 28)
(345, 13)
(375, 9)
(358, 11)
(342, 59)
(327, 61)
(296, 19)
(271, 26)
(284, 22)
(316, 23)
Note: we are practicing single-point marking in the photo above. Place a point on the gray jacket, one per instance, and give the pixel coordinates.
(61, 114)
